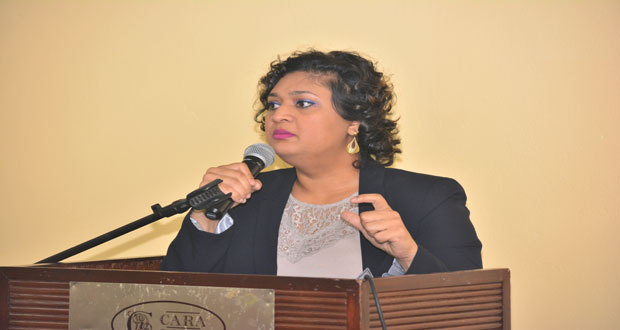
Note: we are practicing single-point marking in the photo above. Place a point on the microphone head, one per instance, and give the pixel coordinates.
(261, 151)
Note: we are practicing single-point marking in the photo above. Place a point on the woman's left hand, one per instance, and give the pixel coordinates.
(384, 228)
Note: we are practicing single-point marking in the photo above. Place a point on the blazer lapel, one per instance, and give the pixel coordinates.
(268, 220)
(371, 182)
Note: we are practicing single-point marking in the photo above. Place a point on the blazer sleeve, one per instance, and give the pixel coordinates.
(446, 238)
(197, 251)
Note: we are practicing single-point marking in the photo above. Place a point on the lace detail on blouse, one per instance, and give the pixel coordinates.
(306, 228)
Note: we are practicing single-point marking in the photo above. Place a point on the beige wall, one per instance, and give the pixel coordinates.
(109, 107)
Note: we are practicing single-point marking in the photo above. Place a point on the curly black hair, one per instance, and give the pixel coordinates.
(359, 93)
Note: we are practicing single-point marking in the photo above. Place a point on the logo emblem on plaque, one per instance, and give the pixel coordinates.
(139, 321)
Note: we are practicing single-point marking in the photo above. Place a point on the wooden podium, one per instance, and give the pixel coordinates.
(37, 297)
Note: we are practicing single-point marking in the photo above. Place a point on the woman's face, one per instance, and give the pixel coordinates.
(301, 122)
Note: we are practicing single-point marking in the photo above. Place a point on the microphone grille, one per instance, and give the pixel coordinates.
(262, 151)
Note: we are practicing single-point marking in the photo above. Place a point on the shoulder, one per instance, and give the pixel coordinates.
(375, 178)
(421, 193)
(419, 182)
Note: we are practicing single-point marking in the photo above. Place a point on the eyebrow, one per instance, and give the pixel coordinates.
(293, 93)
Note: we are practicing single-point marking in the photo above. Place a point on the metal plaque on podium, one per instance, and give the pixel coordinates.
(126, 306)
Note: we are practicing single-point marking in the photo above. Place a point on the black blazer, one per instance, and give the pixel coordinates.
(432, 208)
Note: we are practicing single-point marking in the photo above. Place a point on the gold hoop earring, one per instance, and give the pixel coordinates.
(353, 147)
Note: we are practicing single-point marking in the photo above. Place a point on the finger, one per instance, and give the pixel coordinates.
(374, 227)
(387, 217)
(257, 185)
(234, 181)
(355, 221)
(352, 218)
(243, 167)
(377, 201)
(383, 237)
(220, 172)
(248, 178)
(247, 190)
(392, 236)
(238, 193)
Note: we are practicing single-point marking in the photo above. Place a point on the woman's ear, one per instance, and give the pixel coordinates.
(354, 127)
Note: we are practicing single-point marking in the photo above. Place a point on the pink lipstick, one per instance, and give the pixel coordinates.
(281, 134)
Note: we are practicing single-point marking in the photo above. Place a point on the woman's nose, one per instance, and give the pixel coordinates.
(282, 113)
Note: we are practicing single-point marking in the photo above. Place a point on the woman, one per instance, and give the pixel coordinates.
(339, 210)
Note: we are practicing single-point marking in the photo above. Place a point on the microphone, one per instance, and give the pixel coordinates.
(213, 200)
(258, 156)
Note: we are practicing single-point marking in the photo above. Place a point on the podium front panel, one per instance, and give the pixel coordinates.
(37, 297)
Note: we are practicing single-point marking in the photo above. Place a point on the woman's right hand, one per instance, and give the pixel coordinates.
(236, 179)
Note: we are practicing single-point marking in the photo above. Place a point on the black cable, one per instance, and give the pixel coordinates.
(376, 296)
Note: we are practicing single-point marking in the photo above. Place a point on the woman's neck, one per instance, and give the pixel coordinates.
(326, 185)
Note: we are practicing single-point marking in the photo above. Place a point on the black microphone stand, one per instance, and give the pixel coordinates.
(202, 198)
(159, 212)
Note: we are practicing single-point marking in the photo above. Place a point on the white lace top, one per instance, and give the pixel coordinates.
(315, 242)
